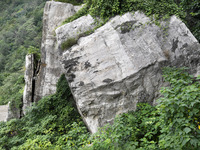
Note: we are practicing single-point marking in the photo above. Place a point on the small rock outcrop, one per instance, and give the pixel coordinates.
(13, 112)
(4, 112)
(76, 29)
(120, 64)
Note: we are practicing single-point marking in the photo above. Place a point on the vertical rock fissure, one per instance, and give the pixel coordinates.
(35, 70)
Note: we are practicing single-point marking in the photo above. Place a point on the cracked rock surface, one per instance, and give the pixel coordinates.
(120, 64)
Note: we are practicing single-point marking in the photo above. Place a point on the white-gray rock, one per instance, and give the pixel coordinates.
(13, 111)
(120, 64)
(74, 29)
(50, 68)
(3, 112)
(29, 81)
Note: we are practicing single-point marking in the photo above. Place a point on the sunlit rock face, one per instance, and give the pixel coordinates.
(120, 64)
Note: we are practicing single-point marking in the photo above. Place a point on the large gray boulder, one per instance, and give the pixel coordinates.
(120, 64)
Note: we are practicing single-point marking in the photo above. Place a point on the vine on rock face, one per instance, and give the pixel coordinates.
(179, 109)
(158, 9)
(105, 9)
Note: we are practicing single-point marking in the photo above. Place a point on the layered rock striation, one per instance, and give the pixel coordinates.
(115, 67)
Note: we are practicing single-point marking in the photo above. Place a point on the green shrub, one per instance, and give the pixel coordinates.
(179, 109)
(83, 11)
(47, 125)
(173, 124)
(69, 43)
(131, 130)
(54, 122)
(35, 51)
(72, 41)
(162, 9)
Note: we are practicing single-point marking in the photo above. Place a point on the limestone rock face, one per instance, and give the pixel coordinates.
(74, 29)
(13, 112)
(4, 112)
(50, 70)
(29, 82)
(120, 64)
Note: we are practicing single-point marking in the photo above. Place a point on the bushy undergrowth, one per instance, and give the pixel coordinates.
(180, 111)
(69, 43)
(133, 130)
(54, 123)
(20, 33)
(188, 11)
(172, 125)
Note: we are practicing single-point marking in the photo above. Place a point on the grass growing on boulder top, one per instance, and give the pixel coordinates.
(69, 43)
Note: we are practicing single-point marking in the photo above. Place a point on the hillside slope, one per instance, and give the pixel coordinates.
(20, 33)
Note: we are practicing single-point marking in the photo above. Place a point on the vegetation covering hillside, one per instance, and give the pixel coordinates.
(20, 33)
(187, 10)
(21, 29)
(54, 123)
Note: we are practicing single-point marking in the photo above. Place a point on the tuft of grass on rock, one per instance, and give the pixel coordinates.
(73, 2)
(69, 43)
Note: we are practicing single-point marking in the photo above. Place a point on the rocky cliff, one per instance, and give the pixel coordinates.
(41, 77)
(115, 67)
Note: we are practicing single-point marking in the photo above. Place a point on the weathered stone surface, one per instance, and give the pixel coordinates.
(74, 29)
(50, 69)
(13, 111)
(120, 64)
(29, 82)
(3, 112)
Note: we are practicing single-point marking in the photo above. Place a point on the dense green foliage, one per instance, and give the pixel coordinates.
(173, 124)
(133, 130)
(187, 10)
(54, 123)
(20, 33)
(180, 111)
